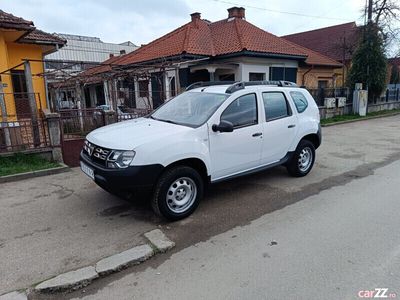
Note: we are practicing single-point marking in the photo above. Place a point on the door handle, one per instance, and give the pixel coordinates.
(257, 134)
(291, 126)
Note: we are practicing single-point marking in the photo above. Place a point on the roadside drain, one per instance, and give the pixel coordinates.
(158, 242)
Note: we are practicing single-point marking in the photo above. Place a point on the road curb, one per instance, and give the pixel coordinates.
(361, 119)
(16, 295)
(157, 242)
(120, 261)
(70, 280)
(33, 174)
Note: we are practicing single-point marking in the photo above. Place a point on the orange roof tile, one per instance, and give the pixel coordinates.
(227, 36)
(200, 37)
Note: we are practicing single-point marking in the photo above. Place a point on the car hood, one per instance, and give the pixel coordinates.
(128, 135)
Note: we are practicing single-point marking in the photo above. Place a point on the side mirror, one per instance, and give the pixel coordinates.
(223, 126)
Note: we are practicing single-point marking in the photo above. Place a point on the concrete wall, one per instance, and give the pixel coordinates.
(383, 106)
(332, 112)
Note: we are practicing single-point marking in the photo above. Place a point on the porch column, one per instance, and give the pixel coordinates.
(211, 71)
(106, 94)
(4, 117)
(32, 103)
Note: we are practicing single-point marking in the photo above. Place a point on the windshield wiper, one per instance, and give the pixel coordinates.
(162, 120)
(168, 121)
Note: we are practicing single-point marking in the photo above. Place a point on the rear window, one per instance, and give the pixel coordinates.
(300, 101)
(275, 106)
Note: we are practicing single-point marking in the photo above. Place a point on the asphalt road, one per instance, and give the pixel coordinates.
(58, 223)
(337, 244)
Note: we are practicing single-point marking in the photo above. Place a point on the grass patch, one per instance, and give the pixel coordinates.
(21, 163)
(356, 117)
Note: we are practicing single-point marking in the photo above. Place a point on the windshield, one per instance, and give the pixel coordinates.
(191, 108)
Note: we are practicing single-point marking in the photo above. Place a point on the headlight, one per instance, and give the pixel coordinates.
(120, 159)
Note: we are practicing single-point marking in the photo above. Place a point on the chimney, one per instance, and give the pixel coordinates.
(122, 52)
(111, 55)
(195, 16)
(236, 12)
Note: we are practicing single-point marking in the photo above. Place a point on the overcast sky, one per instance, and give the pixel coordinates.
(141, 21)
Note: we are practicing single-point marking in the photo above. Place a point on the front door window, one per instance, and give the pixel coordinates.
(20, 94)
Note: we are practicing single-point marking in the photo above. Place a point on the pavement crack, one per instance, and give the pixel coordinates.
(47, 229)
(62, 192)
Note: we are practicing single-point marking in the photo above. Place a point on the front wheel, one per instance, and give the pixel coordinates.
(177, 193)
(302, 160)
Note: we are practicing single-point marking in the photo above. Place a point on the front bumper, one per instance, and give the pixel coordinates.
(130, 179)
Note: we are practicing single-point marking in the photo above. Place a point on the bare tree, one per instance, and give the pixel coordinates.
(386, 14)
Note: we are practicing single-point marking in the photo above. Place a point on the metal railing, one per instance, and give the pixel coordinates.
(392, 94)
(21, 127)
(77, 123)
(320, 94)
(24, 134)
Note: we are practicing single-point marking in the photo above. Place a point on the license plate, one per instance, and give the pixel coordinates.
(88, 171)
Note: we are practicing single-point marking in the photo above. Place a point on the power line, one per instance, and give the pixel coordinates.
(281, 12)
(337, 6)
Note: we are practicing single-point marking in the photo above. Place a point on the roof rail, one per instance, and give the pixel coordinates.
(207, 83)
(242, 84)
(239, 85)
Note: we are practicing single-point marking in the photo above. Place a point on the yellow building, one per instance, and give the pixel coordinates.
(21, 41)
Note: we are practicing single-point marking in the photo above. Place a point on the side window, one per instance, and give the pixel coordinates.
(242, 111)
(300, 101)
(275, 106)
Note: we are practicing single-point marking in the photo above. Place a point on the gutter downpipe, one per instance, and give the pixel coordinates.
(304, 75)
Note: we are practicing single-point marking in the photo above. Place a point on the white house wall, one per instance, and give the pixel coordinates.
(259, 65)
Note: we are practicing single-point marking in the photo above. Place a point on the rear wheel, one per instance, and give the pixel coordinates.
(302, 160)
(177, 193)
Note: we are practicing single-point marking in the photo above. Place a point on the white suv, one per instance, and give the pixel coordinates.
(210, 133)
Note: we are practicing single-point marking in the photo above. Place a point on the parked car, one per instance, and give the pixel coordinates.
(207, 134)
(122, 111)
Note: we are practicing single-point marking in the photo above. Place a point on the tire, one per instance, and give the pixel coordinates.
(301, 163)
(178, 193)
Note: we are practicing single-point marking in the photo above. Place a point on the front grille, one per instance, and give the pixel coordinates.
(96, 153)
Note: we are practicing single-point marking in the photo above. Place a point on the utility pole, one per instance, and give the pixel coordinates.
(369, 11)
(368, 29)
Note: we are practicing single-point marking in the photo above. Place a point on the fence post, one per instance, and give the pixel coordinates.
(4, 117)
(32, 103)
(110, 117)
(54, 130)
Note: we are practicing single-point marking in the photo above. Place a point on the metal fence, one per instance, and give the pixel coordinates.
(320, 94)
(77, 123)
(20, 128)
(393, 94)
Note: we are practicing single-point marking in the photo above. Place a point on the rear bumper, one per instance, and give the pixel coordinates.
(130, 179)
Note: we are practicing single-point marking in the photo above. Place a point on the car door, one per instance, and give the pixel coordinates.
(280, 126)
(234, 152)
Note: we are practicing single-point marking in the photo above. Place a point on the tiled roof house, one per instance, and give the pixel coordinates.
(337, 42)
(20, 40)
(229, 49)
